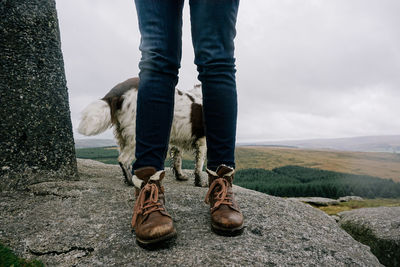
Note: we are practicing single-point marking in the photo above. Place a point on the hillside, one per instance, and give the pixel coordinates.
(380, 143)
(89, 143)
(384, 165)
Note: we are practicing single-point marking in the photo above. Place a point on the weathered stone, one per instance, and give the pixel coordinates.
(317, 201)
(35, 128)
(378, 228)
(87, 223)
(348, 198)
(336, 218)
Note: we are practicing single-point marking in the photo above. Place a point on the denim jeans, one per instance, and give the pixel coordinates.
(213, 31)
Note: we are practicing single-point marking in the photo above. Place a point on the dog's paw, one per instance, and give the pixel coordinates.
(128, 180)
(201, 184)
(200, 180)
(127, 174)
(181, 177)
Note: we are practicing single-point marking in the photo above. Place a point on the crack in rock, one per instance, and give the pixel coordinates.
(52, 194)
(87, 251)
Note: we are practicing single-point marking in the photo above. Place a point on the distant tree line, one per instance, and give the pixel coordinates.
(296, 181)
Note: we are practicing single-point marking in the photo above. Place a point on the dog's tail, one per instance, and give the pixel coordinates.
(95, 118)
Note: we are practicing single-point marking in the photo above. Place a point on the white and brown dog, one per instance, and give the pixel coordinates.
(118, 109)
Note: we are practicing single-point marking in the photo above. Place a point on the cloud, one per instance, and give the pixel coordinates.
(306, 69)
(318, 69)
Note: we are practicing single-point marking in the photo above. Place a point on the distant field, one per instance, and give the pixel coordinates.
(109, 155)
(384, 165)
(300, 172)
(357, 204)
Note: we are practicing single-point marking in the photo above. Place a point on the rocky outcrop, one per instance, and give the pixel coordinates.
(349, 198)
(323, 201)
(378, 228)
(317, 201)
(87, 223)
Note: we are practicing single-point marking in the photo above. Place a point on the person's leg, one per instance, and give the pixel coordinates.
(160, 24)
(213, 31)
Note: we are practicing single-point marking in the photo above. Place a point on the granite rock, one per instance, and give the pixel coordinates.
(348, 198)
(317, 201)
(87, 223)
(378, 228)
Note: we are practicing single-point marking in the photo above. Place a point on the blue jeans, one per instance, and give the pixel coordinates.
(213, 31)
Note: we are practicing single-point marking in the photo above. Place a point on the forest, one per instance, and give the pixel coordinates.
(297, 181)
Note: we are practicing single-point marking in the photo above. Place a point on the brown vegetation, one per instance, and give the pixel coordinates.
(357, 204)
(384, 165)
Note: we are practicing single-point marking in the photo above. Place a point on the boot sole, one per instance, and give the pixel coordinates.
(227, 231)
(154, 243)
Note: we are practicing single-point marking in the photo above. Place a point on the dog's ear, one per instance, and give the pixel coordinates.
(115, 104)
(115, 98)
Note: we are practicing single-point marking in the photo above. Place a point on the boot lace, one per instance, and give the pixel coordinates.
(221, 193)
(145, 206)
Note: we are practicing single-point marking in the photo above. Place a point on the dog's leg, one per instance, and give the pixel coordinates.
(127, 172)
(200, 150)
(125, 158)
(126, 153)
(176, 157)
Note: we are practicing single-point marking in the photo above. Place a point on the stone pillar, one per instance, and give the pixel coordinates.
(36, 140)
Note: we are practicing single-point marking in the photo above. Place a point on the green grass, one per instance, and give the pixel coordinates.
(108, 155)
(186, 164)
(8, 258)
(356, 204)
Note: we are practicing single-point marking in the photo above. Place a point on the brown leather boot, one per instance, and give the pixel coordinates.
(226, 217)
(150, 220)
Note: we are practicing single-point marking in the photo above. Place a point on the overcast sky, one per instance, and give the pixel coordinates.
(306, 68)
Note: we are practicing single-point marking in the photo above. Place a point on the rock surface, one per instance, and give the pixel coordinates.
(378, 228)
(348, 198)
(36, 137)
(87, 223)
(317, 201)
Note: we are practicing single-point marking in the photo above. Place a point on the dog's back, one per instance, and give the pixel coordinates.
(101, 114)
(118, 109)
(187, 125)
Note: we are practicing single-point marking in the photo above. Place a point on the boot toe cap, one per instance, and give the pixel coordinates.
(154, 230)
(227, 219)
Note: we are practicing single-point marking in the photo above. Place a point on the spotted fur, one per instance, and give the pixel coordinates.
(118, 109)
